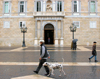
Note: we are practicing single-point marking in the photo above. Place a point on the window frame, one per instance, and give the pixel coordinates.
(38, 7)
(91, 26)
(78, 6)
(9, 7)
(59, 6)
(95, 6)
(4, 24)
(25, 6)
(23, 22)
(35, 5)
(78, 22)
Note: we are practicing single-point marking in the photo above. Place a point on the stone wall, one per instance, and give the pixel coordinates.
(13, 36)
(84, 34)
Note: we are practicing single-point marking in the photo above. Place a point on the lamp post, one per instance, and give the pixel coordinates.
(73, 29)
(23, 30)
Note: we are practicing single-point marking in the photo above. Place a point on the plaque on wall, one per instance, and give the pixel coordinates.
(7, 24)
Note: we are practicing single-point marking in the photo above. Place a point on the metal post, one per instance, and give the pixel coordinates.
(23, 40)
(73, 34)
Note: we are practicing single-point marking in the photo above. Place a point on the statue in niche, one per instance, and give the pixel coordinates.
(49, 6)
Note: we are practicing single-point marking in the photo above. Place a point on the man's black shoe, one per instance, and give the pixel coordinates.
(89, 59)
(35, 72)
(96, 61)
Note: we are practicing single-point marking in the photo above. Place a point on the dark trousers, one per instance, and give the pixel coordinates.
(74, 46)
(93, 56)
(41, 64)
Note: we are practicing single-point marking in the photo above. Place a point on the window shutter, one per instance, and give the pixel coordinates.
(3, 7)
(72, 6)
(92, 6)
(20, 24)
(77, 6)
(10, 7)
(25, 6)
(6, 7)
(18, 6)
(89, 6)
(39, 6)
(23, 23)
(58, 6)
(35, 6)
(77, 24)
(62, 5)
(92, 24)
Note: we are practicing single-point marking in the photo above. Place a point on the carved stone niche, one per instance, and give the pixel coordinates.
(49, 6)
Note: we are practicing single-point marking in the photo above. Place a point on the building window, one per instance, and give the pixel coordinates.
(6, 7)
(77, 24)
(92, 24)
(59, 6)
(38, 6)
(92, 6)
(75, 6)
(22, 7)
(6, 24)
(21, 24)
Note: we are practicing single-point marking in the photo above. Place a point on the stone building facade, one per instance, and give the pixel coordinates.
(49, 19)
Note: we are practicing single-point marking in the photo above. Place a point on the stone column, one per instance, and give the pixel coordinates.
(41, 5)
(61, 39)
(39, 29)
(35, 41)
(56, 34)
(54, 6)
(41, 36)
(35, 5)
(63, 6)
(44, 6)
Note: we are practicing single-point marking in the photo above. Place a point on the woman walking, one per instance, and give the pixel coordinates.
(94, 53)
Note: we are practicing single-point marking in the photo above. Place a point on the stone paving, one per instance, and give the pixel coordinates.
(19, 63)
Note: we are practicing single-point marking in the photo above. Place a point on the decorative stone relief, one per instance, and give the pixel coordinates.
(6, 24)
(49, 5)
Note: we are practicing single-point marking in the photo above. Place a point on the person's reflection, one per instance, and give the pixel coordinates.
(74, 56)
(94, 69)
(52, 59)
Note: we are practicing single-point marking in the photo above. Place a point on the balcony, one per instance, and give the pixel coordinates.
(49, 14)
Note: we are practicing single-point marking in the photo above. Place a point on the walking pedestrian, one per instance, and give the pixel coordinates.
(44, 55)
(94, 53)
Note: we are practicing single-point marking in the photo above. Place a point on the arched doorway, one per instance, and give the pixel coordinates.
(49, 34)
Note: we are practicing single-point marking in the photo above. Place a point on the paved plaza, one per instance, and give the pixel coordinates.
(19, 62)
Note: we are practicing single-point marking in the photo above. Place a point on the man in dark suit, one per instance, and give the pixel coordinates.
(44, 55)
